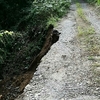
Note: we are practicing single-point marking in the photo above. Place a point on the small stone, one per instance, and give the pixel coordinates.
(62, 99)
(28, 87)
(64, 57)
(36, 95)
(97, 88)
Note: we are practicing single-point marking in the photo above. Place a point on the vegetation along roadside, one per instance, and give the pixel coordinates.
(90, 43)
(23, 28)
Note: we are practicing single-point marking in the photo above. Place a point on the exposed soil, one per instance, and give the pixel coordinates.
(12, 87)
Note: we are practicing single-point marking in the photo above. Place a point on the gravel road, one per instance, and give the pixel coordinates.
(64, 72)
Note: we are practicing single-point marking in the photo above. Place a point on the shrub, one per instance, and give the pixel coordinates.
(7, 44)
(92, 1)
(18, 49)
(41, 11)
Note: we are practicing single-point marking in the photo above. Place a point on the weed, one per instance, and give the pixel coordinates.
(96, 64)
(52, 20)
(91, 43)
(85, 31)
(91, 58)
(80, 12)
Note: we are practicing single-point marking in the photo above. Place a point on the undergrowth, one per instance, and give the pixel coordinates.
(85, 31)
(94, 2)
(41, 11)
(80, 12)
(8, 43)
(19, 47)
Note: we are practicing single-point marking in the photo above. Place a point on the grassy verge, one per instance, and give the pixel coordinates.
(91, 41)
(80, 12)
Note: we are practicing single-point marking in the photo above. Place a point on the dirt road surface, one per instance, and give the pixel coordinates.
(65, 71)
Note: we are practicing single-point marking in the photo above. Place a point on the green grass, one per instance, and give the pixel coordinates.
(91, 58)
(80, 12)
(52, 20)
(85, 31)
(98, 2)
(86, 34)
(90, 42)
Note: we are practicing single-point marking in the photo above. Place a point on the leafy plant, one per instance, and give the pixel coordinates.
(32, 18)
(41, 11)
(98, 2)
(11, 12)
(92, 1)
(7, 41)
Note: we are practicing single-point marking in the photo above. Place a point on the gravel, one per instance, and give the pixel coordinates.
(64, 72)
